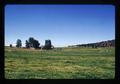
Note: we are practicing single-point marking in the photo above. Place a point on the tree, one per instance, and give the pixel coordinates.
(48, 44)
(18, 43)
(36, 44)
(33, 43)
(27, 44)
(10, 45)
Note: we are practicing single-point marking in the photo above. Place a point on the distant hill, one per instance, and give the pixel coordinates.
(108, 43)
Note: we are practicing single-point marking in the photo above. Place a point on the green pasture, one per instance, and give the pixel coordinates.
(65, 63)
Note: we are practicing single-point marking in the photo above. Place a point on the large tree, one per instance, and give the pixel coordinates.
(33, 43)
(36, 44)
(18, 43)
(48, 44)
(27, 44)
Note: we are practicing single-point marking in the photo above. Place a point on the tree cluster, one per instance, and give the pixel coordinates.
(33, 43)
(109, 43)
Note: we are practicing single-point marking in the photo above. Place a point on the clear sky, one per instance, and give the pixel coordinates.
(63, 24)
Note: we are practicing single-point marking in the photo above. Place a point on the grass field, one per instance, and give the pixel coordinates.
(68, 63)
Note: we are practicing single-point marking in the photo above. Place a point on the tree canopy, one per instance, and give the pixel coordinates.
(18, 43)
(48, 44)
(32, 43)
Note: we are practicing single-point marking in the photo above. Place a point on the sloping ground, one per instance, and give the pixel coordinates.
(108, 43)
(68, 63)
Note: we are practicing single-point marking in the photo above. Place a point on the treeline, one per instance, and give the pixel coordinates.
(109, 43)
(33, 43)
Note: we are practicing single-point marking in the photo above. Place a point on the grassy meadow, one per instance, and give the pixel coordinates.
(67, 63)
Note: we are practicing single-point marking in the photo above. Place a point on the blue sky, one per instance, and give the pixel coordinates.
(63, 24)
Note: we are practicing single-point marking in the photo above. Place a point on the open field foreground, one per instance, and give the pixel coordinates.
(67, 63)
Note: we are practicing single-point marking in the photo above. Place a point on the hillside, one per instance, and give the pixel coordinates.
(108, 43)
